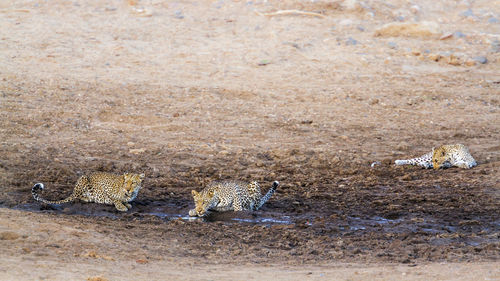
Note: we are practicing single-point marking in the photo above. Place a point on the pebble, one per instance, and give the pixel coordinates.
(351, 41)
(467, 13)
(454, 60)
(392, 45)
(493, 20)
(459, 34)
(9, 235)
(178, 14)
(495, 46)
(420, 29)
(415, 9)
(345, 22)
(470, 62)
(481, 59)
(446, 36)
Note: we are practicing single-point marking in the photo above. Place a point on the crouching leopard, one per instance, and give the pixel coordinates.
(231, 195)
(445, 156)
(100, 187)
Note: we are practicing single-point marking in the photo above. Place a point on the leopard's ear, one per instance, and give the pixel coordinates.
(194, 193)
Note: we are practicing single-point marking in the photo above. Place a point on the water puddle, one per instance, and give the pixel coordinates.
(439, 231)
(263, 221)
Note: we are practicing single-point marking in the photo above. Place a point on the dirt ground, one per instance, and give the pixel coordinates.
(193, 91)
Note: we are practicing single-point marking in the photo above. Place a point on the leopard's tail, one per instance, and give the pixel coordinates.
(39, 186)
(404, 162)
(268, 194)
(424, 161)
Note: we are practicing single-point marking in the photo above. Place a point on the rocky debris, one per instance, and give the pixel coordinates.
(455, 59)
(480, 59)
(404, 29)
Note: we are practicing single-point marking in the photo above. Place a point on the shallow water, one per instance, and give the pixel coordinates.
(352, 225)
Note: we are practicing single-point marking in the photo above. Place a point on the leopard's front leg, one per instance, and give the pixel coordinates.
(120, 207)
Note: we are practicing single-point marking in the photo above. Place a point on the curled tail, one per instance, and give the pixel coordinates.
(268, 194)
(39, 186)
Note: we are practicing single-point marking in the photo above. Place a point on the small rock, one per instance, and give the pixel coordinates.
(421, 29)
(8, 235)
(467, 13)
(415, 9)
(178, 14)
(446, 36)
(392, 45)
(493, 20)
(458, 34)
(470, 62)
(361, 28)
(481, 59)
(351, 41)
(415, 52)
(130, 143)
(376, 163)
(137, 150)
(454, 60)
(345, 22)
(434, 57)
(403, 146)
(264, 62)
(97, 279)
(495, 46)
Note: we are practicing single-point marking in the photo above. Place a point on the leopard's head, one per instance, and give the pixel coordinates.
(203, 201)
(440, 158)
(132, 185)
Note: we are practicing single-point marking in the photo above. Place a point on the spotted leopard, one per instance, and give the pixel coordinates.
(445, 156)
(230, 195)
(100, 187)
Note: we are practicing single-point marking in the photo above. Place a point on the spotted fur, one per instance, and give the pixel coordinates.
(99, 187)
(457, 155)
(223, 196)
(445, 156)
(424, 161)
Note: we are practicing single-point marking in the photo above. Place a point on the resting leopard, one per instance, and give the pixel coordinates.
(445, 156)
(101, 187)
(230, 195)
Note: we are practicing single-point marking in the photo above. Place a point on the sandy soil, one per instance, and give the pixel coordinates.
(189, 92)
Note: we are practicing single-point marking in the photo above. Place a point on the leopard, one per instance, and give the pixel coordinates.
(457, 155)
(444, 156)
(100, 187)
(230, 195)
